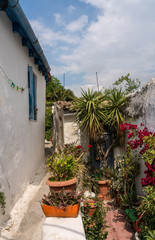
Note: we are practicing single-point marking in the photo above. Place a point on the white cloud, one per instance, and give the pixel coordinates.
(121, 41)
(48, 37)
(71, 8)
(78, 25)
(58, 18)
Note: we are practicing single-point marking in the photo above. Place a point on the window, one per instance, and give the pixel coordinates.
(32, 86)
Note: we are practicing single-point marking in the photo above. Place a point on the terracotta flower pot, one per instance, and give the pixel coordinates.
(68, 186)
(91, 204)
(70, 211)
(104, 189)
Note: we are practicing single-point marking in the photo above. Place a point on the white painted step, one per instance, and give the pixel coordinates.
(63, 229)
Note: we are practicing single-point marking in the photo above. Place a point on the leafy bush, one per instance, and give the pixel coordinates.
(147, 212)
(94, 225)
(48, 123)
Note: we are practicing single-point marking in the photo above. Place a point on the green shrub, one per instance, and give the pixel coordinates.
(48, 123)
(94, 225)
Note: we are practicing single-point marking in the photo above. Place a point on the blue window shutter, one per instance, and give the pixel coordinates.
(34, 96)
(31, 92)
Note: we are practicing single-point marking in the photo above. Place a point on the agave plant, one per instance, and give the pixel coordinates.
(89, 112)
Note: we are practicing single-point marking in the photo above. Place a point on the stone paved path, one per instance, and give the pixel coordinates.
(119, 227)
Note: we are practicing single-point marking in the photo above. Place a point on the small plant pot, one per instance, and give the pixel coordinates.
(104, 188)
(68, 186)
(92, 205)
(70, 211)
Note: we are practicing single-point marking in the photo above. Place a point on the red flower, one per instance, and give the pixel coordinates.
(90, 146)
(79, 146)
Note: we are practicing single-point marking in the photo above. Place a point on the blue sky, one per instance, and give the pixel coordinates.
(82, 37)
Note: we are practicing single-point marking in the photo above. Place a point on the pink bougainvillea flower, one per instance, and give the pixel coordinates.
(79, 146)
(131, 135)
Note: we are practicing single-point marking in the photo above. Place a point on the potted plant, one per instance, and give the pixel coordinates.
(61, 204)
(64, 166)
(103, 177)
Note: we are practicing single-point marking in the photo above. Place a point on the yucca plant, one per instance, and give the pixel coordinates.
(89, 112)
(114, 108)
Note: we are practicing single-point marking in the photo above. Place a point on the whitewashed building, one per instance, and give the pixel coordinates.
(24, 72)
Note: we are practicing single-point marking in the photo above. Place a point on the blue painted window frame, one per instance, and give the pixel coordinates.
(32, 86)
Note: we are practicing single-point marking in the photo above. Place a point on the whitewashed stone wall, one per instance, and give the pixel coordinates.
(142, 109)
(21, 140)
(71, 131)
(65, 130)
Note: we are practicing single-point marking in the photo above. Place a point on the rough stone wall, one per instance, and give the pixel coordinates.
(141, 108)
(142, 105)
(58, 127)
(65, 130)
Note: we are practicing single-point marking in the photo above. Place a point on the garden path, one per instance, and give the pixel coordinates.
(119, 227)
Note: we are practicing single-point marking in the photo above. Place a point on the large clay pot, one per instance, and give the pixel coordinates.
(68, 186)
(70, 211)
(104, 187)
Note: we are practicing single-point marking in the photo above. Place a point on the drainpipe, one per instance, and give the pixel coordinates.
(15, 11)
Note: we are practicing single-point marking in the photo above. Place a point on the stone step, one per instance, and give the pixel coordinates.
(63, 229)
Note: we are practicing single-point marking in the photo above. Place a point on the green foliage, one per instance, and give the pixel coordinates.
(147, 211)
(64, 165)
(2, 201)
(132, 214)
(103, 174)
(89, 183)
(89, 113)
(61, 199)
(94, 225)
(129, 199)
(150, 235)
(127, 169)
(56, 92)
(48, 123)
(117, 180)
(129, 84)
(131, 169)
(149, 154)
(114, 108)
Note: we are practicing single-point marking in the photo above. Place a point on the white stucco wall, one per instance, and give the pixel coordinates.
(21, 140)
(71, 132)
